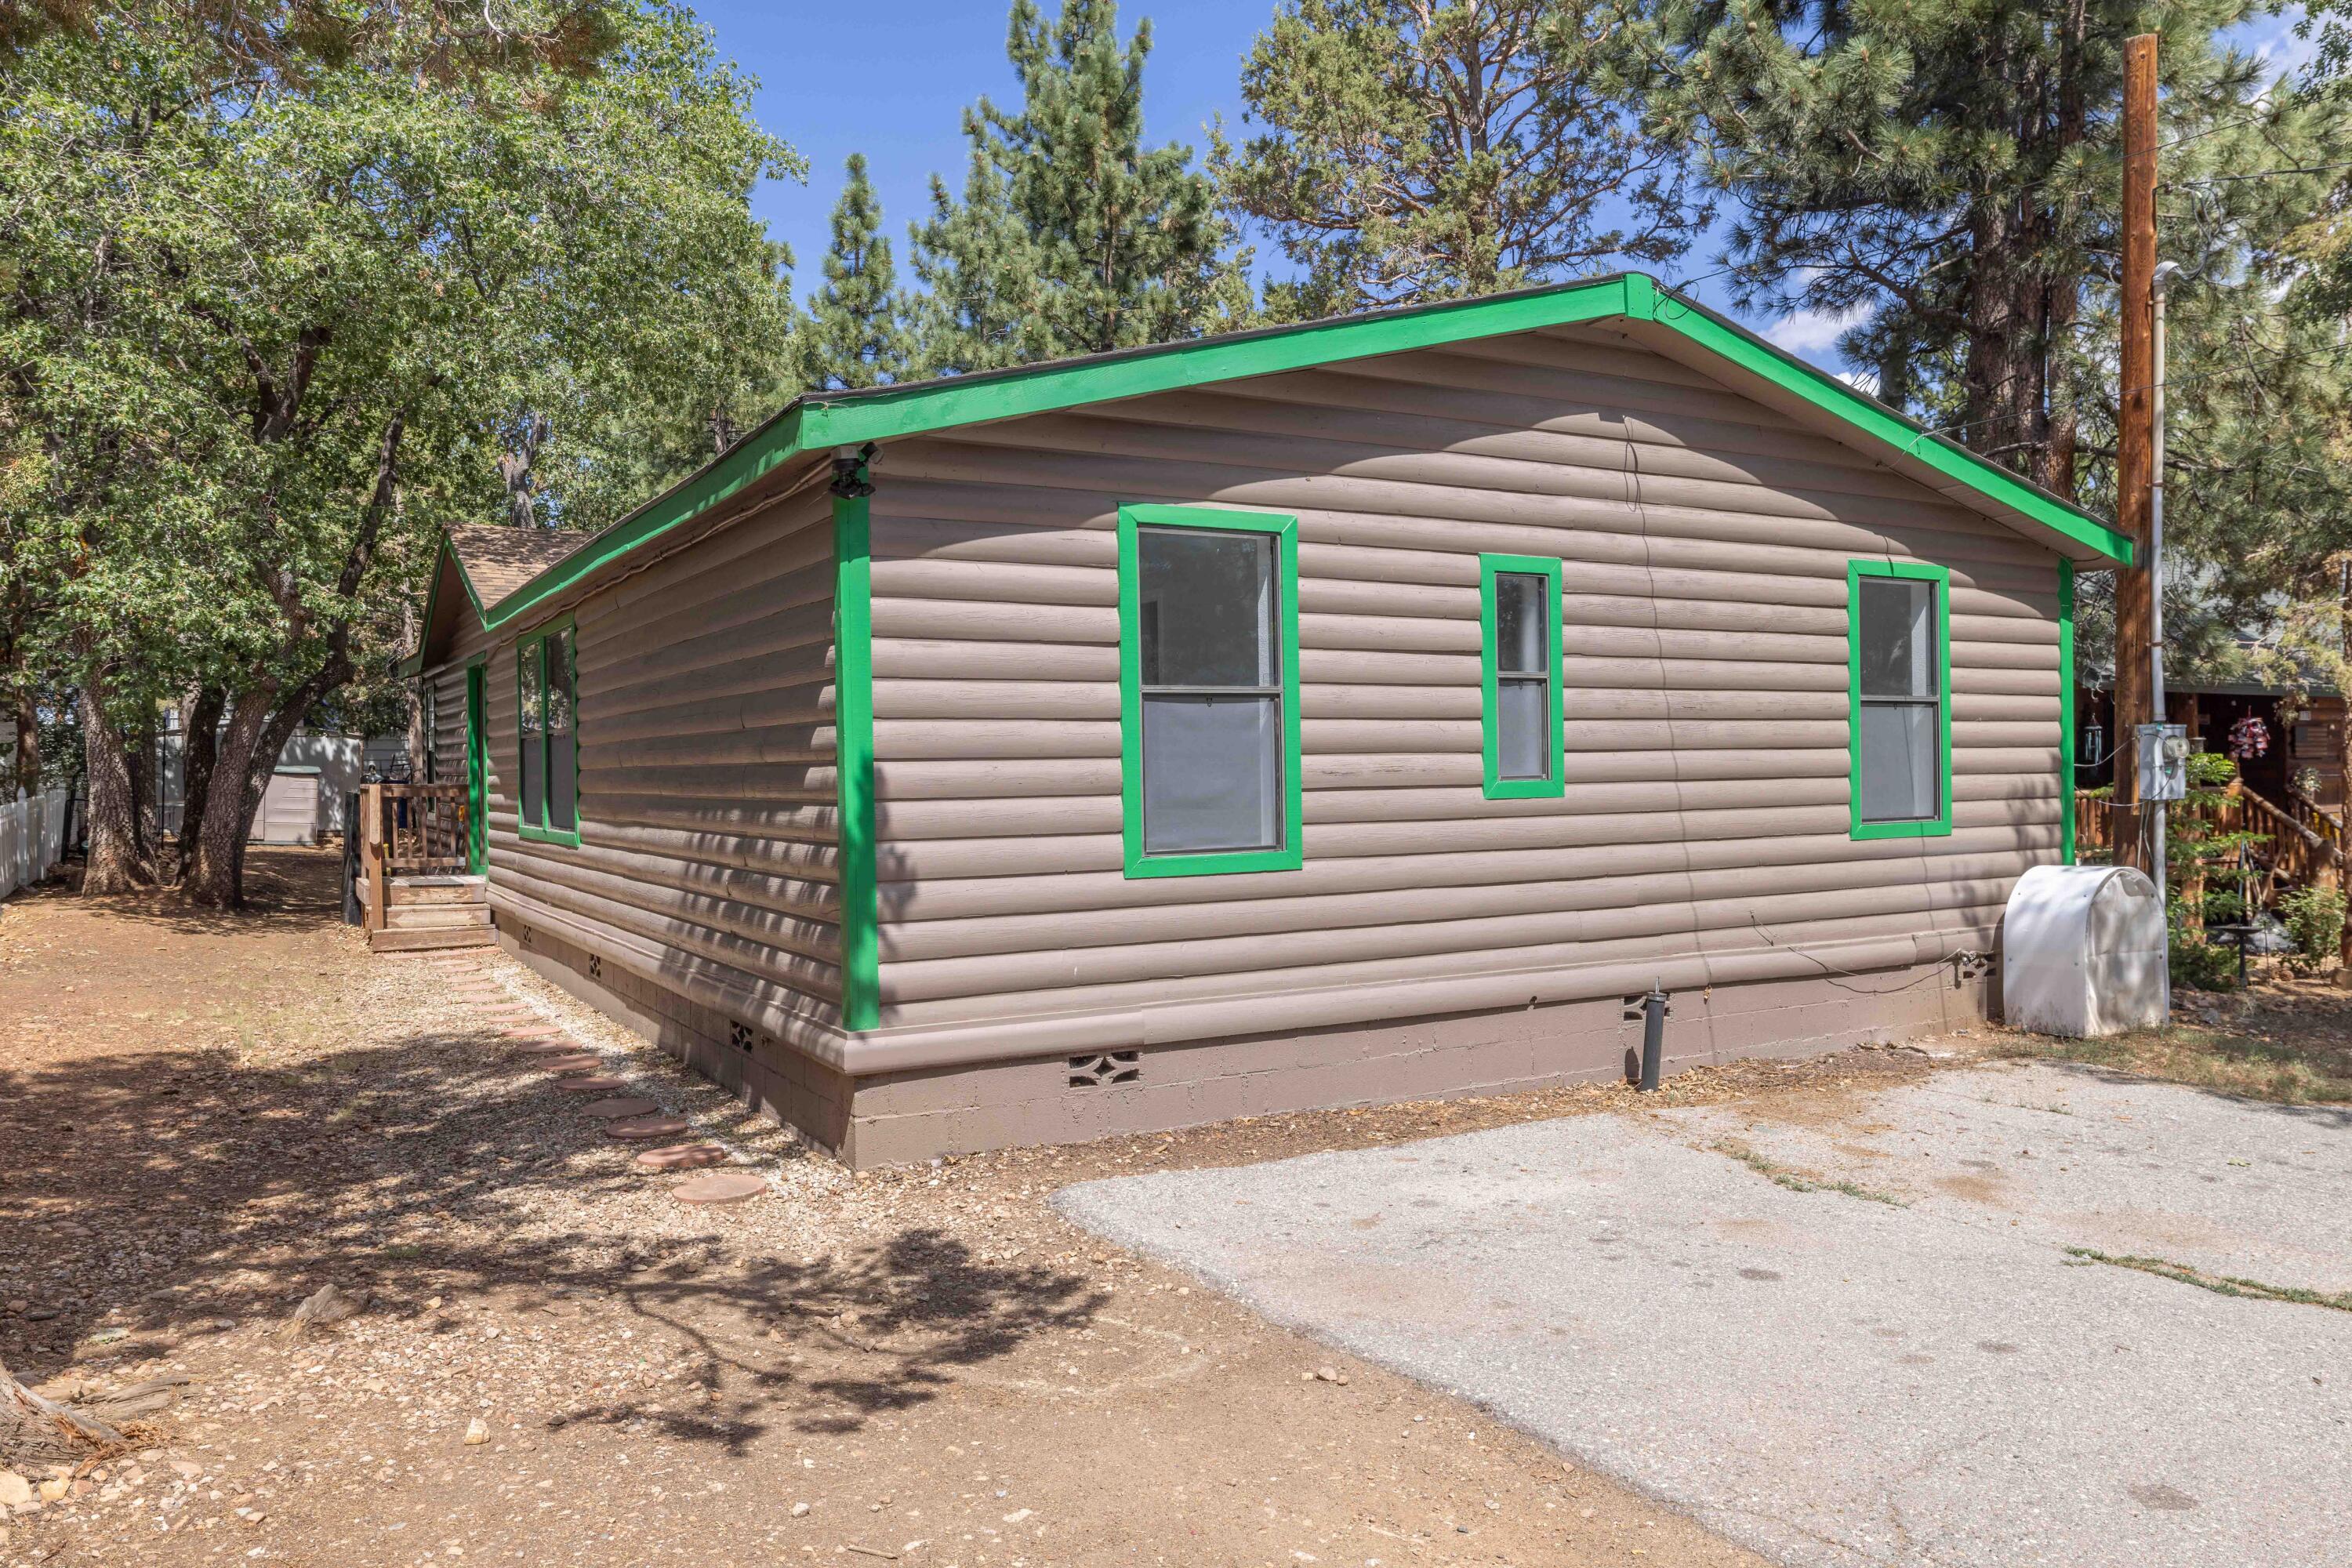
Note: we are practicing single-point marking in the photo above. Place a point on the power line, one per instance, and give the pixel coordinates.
(2262, 174)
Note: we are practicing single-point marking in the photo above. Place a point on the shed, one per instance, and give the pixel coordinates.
(289, 807)
(1318, 716)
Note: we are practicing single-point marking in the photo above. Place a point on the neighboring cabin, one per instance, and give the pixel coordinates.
(1324, 715)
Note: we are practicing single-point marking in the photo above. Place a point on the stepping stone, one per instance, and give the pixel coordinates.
(627, 1105)
(591, 1083)
(641, 1127)
(721, 1187)
(544, 1045)
(683, 1157)
(524, 1032)
(571, 1062)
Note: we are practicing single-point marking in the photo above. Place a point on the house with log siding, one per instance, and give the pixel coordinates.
(1337, 713)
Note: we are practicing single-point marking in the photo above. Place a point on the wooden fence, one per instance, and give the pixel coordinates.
(32, 838)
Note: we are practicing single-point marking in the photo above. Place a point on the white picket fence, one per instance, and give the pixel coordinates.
(32, 838)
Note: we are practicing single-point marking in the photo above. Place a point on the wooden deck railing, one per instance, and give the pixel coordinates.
(410, 830)
(2327, 824)
(2290, 851)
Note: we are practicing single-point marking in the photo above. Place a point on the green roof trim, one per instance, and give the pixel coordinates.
(415, 663)
(823, 421)
(1730, 340)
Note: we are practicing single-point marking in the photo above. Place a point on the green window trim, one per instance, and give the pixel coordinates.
(1940, 825)
(1555, 784)
(2065, 710)
(534, 649)
(478, 764)
(1290, 854)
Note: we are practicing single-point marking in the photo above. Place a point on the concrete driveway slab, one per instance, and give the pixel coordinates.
(1834, 1380)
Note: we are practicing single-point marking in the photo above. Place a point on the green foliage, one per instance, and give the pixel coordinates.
(1071, 237)
(1413, 152)
(2223, 907)
(2196, 963)
(287, 294)
(855, 336)
(1944, 179)
(2211, 770)
(2315, 918)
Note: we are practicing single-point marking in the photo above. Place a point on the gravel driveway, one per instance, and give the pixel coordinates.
(1914, 1327)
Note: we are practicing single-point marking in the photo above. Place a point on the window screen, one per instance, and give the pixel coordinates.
(1899, 706)
(1522, 676)
(531, 726)
(563, 745)
(548, 793)
(1210, 679)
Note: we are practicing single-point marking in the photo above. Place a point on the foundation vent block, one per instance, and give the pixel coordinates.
(596, 967)
(739, 1034)
(1106, 1068)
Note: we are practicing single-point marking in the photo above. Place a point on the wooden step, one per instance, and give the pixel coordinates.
(431, 936)
(434, 917)
(439, 891)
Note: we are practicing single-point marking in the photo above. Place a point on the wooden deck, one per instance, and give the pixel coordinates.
(415, 889)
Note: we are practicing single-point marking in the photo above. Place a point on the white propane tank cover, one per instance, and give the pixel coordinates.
(2082, 952)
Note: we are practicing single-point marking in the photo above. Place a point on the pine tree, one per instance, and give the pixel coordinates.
(1413, 153)
(855, 335)
(1071, 237)
(1945, 176)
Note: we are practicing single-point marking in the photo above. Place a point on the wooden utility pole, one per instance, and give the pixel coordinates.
(2134, 443)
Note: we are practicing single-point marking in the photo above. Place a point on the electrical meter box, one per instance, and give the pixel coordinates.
(2163, 762)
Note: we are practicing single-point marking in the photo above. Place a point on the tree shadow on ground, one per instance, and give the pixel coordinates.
(150, 1196)
(286, 890)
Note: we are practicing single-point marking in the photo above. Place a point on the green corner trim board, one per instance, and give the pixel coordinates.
(822, 421)
(852, 720)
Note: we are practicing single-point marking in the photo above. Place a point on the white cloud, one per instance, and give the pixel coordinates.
(2272, 40)
(1814, 333)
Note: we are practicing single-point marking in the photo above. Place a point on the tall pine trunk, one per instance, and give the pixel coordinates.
(114, 866)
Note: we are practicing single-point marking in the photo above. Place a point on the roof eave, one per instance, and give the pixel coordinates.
(816, 422)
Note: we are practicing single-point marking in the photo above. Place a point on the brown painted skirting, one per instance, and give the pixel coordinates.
(896, 1118)
(776, 1080)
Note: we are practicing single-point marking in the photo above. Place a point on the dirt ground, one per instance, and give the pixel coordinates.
(203, 1119)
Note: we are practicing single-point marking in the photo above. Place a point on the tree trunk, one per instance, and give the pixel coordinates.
(202, 736)
(214, 869)
(28, 768)
(2344, 746)
(146, 763)
(114, 866)
(248, 753)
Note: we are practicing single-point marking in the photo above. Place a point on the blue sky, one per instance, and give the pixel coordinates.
(900, 95)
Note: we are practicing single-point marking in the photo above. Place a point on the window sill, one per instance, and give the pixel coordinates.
(1526, 789)
(1213, 863)
(570, 840)
(1934, 827)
